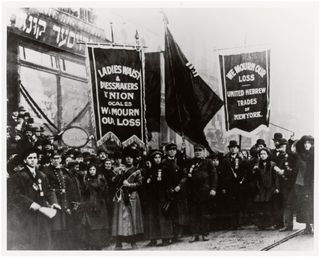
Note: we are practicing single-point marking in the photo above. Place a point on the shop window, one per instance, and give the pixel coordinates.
(73, 68)
(74, 99)
(36, 57)
(42, 87)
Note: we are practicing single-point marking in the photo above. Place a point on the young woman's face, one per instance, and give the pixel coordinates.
(108, 165)
(148, 164)
(157, 159)
(215, 162)
(92, 171)
(263, 155)
(307, 145)
(68, 160)
(129, 160)
(245, 154)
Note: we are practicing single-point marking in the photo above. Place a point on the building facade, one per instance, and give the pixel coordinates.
(46, 55)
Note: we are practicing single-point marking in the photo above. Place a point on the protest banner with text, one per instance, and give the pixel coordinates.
(246, 89)
(117, 94)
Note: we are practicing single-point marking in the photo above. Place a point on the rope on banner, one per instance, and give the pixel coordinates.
(37, 107)
(78, 116)
(111, 44)
(35, 110)
(281, 127)
(30, 104)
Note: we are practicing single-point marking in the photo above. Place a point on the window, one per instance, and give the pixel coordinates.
(73, 68)
(38, 58)
(75, 96)
(47, 74)
(42, 86)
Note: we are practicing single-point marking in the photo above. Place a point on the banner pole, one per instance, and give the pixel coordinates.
(240, 139)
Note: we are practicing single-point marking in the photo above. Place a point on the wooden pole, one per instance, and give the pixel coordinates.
(240, 139)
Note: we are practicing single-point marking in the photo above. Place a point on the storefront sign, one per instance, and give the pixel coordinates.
(56, 28)
(118, 95)
(246, 87)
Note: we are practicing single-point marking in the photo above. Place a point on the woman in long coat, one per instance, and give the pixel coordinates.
(305, 181)
(150, 202)
(95, 216)
(267, 184)
(127, 221)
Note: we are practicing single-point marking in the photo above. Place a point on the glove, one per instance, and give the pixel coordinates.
(177, 189)
(212, 193)
(34, 206)
(56, 206)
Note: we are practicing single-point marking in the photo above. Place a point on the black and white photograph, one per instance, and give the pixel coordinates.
(160, 128)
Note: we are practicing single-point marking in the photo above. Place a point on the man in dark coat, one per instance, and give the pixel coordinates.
(286, 170)
(234, 172)
(30, 195)
(61, 184)
(74, 198)
(201, 185)
(174, 168)
(275, 152)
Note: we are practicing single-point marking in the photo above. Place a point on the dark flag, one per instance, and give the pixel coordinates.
(189, 101)
(153, 88)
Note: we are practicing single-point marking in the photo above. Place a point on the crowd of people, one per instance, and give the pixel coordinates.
(60, 198)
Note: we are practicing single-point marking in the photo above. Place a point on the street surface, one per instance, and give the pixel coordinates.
(247, 239)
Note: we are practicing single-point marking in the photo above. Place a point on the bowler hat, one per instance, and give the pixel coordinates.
(283, 141)
(261, 142)
(171, 146)
(277, 136)
(233, 143)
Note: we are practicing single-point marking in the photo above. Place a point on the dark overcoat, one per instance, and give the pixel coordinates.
(31, 229)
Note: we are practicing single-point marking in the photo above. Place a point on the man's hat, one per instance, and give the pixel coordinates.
(154, 152)
(29, 151)
(78, 154)
(261, 142)
(21, 108)
(27, 114)
(101, 150)
(20, 116)
(171, 146)
(277, 136)
(57, 152)
(283, 141)
(28, 128)
(265, 149)
(198, 147)
(129, 152)
(233, 143)
(117, 155)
